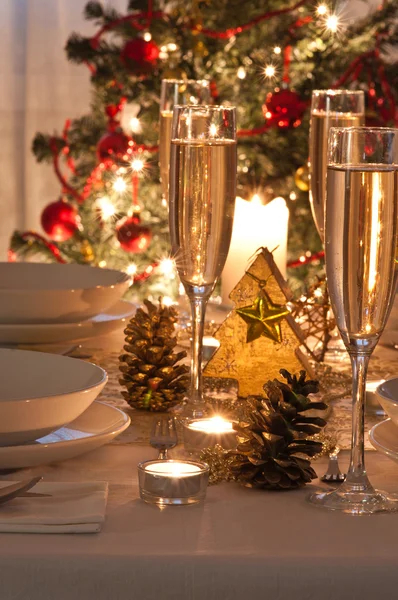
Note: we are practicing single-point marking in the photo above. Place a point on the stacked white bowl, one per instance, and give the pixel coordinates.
(40, 303)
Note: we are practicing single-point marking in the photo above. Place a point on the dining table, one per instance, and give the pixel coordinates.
(239, 543)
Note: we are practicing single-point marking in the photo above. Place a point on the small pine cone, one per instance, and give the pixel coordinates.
(150, 373)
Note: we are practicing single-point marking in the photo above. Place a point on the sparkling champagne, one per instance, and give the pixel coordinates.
(360, 253)
(166, 117)
(202, 202)
(321, 122)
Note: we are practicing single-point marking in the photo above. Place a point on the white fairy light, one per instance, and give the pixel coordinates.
(131, 269)
(172, 47)
(147, 36)
(277, 50)
(332, 23)
(102, 263)
(322, 9)
(293, 196)
(269, 71)
(213, 130)
(137, 164)
(241, 73)
(106, 207)
(166, 266)
(119, 185)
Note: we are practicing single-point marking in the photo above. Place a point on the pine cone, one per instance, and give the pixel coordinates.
(271, 441)
(153, 380)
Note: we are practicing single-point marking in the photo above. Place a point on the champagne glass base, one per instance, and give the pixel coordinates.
(193, 410)
(355, 502)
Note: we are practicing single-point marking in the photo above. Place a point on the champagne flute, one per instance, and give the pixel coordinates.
(176, 91)
(329, 108)
(360, 247)
(201, 212)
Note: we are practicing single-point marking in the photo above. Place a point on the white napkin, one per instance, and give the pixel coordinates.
(72, 508)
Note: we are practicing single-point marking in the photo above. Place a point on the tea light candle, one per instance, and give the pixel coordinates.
(255, 225)
(205, 433)
(173, 481)
(372, 404)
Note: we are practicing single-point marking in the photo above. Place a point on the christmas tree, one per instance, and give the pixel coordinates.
(266, 58)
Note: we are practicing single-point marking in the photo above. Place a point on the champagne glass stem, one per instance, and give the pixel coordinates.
(356, 476)
(198, 307)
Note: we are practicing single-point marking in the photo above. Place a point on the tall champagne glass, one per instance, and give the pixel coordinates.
(176, 91)
(329, 108)
(360, 247)
(201, 212)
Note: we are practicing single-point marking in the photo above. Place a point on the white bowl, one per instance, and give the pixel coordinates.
(41, 392)
(387, 395)
(57, 293)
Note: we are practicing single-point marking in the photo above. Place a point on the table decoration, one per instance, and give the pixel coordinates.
(209, 431)
(260, 334)
(152, 374)
(173, 482)
(274, 435)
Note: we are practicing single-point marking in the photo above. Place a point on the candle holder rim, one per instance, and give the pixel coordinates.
(204, 467)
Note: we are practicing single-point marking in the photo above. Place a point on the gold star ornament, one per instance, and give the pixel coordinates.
(263, 318)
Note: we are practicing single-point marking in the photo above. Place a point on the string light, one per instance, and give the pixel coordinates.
(322, 9)
(106, 207)
(131, 269)
(137, 165)
(166, 266)
(241, 73)
(102, 263)
(119, 185)
(277, 50)
(332, 23)
(147, 36)
(172, 47)
(135, 125)
(293, 196)
(269, 71)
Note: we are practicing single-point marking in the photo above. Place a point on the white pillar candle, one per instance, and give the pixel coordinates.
(256, 225)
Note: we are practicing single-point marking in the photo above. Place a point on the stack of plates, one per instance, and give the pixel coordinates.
(48, 410)
(51, 303)
(384, 435)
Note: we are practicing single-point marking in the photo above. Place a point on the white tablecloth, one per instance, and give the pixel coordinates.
(239, 544)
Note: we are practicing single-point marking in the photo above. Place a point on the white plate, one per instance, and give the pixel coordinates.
(64, 332)
(57, 293)
(384, 437)
(99, 424)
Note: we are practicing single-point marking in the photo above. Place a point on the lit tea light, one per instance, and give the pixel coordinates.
(213, 425)
(206, 433)
(166, 482)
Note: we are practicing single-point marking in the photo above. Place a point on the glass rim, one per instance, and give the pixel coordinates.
(331, 92)
(213, 107)
(365, 129)
(186, 81)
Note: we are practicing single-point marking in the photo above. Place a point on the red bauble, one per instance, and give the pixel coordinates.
(60, 220)
(133, 236)
(284, 108)
(140, 56)
(114, 145)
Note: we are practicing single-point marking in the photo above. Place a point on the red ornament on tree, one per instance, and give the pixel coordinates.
(60, 220)
(140, 56)
(114, 145)
(133, 236)
(283, 108)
